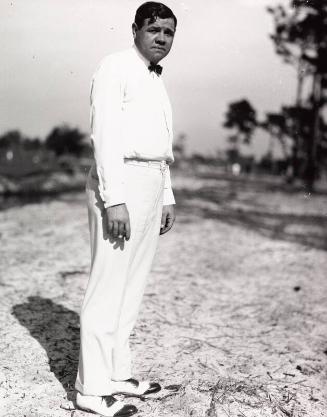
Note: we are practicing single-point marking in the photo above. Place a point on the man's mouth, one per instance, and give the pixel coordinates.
(159, 48)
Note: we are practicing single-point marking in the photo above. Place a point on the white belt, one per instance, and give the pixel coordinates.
(162, 165)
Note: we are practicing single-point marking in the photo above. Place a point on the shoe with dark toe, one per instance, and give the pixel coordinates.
(132, 386)
(106, 406)
(154, 387)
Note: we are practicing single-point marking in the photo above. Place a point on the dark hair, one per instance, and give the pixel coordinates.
(152, 10)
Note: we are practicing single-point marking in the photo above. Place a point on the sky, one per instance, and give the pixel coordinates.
(222, 53)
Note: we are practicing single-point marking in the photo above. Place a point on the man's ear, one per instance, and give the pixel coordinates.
(134, 29)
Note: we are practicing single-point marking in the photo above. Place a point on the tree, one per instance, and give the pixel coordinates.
(300, 37)
(34, 144)
(65, 140)
(276, 125)
(241, 116)
(10, 139)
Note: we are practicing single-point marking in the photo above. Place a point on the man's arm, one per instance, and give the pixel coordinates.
(168, 197)
(106, 112)
(106, 120)
(168, 211)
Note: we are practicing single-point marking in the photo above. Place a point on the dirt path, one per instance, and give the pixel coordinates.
(235, 311)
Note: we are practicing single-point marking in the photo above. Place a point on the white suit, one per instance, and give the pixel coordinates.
(132, 139)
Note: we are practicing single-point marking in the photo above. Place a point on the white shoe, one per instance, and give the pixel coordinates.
(134, 387)
(106, 406)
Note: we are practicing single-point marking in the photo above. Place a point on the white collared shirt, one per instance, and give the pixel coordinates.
(130, 118)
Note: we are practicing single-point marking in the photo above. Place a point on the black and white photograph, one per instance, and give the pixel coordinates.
(163, 208)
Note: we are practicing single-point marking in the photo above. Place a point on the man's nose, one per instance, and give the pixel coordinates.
(161, 38)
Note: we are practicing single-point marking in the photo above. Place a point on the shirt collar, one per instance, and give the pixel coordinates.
(138, 53)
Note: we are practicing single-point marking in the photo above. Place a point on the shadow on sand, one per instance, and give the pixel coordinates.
(56, 328)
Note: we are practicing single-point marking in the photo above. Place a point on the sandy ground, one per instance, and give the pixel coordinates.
(234, 314)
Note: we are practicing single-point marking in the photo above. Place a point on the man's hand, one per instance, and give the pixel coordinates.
(167, 218)
(118, 221)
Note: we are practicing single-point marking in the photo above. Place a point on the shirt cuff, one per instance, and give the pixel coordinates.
(113, 198)
(168, 197)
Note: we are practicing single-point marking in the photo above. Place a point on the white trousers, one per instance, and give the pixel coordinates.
(118, 275)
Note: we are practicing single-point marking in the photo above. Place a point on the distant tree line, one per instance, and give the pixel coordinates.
(62, 140)
(62, 148)
(300, 38)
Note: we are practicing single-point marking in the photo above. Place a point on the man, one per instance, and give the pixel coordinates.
(130, 202)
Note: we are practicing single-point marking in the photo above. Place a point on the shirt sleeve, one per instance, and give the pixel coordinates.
(107, 92)
(168, 197)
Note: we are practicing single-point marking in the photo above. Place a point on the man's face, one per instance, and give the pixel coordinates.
(154, 40)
